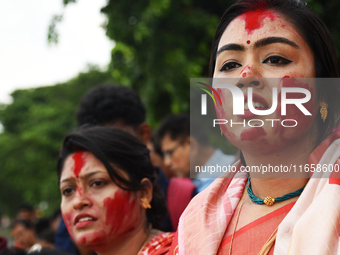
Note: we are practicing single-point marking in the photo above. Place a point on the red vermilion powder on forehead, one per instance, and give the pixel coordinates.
(78, 162)
(255, 19)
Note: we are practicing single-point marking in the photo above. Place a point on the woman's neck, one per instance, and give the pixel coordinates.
(132, 244)
(278, 173)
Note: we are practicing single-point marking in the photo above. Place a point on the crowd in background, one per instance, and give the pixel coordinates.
(124, 187)
(169, 146)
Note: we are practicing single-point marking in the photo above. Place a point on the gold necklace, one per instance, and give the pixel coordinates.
(268, 244)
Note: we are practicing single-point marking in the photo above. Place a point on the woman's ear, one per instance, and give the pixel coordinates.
(145, 194)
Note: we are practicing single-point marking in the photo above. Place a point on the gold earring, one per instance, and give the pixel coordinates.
(145, 203)
(323, 110)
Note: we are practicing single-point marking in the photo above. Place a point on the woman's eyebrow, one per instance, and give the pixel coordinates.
(231, 46)
(67, 180)
(85, 176)
(82, 177)
(270, 40)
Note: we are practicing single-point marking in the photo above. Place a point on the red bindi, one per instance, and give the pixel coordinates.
(248, 42)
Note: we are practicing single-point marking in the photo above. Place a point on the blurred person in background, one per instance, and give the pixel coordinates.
(157, 157)
(178, 144)
(55, 220)
(26, 212)
(23, 233)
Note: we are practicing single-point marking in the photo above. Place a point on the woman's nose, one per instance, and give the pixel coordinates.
(81, 199)
(250, 70)
(254, 82)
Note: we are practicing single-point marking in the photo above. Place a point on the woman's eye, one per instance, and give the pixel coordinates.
(276, 60)
(97, 183)
(229, 66)
(67, 191)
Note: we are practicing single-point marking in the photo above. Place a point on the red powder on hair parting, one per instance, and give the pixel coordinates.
(255, 19)
(78, 162)
(248, 42)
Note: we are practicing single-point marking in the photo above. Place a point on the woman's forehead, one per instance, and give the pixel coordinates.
(81, 161)
(254, 25)
(254, 20)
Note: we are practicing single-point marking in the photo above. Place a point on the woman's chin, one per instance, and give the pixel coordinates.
(259, 144)
(92, 240)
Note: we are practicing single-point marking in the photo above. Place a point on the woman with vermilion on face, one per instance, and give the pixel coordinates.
(110, 203)
(296, 214)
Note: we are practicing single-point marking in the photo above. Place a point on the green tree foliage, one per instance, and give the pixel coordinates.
(160, 45)
(34, 125)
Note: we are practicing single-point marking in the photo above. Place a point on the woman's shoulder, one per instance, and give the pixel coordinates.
(159, 244)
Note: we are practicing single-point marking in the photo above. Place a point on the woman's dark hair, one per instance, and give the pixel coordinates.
(316, 35)
(117, 149)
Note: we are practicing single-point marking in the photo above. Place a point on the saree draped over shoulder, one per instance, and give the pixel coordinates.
(310, 226)
(158, 245)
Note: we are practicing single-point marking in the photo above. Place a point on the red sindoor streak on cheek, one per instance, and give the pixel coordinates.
(78, 162)
(120, 212)
(68, 222)
(255, 19)
(94, 240)
(252, 134)
(292, 112)
(221, 114)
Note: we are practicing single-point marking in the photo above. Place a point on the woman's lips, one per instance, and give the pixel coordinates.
(259, 103)
(83, 220)
(84, 224)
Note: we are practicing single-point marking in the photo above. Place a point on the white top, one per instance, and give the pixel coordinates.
(212, 169)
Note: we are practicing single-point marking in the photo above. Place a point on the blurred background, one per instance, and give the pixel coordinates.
(53, 51)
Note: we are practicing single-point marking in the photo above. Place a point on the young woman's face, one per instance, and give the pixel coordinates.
(254, 46)
(97, 213)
